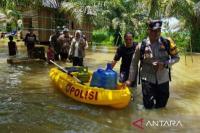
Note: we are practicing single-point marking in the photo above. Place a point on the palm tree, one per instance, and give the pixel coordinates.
(124, 14)
(11, 9)
(82, 11)
(189, 12)
(153, 7)
(11, 17)
(11, 4)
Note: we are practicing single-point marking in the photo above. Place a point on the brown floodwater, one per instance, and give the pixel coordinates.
(29, 103)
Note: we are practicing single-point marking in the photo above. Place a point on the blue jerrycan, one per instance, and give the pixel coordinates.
(110, 77)
(104, 78)
(96, 78)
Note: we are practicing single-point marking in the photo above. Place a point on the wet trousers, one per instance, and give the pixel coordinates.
(155, 95)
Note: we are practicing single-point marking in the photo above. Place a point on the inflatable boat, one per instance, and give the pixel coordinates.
(118, 98)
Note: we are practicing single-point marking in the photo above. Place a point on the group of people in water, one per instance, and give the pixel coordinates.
(63, 46)
(156, 55)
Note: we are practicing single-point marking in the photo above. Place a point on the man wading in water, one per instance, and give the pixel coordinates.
(156, 55)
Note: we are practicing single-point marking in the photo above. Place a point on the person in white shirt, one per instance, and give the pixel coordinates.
(77, 49)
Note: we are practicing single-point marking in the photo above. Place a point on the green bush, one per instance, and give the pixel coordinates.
(181, 39)
(108, 41)
(102, 37)
(99, 35)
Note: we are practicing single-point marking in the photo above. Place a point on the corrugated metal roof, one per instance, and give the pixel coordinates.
(51, 3)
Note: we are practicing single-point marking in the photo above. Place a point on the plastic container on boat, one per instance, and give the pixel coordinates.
(104, 78)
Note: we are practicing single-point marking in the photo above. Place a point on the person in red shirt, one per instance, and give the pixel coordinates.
(50, 54)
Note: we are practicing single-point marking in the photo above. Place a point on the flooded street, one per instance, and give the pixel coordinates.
(29, 103)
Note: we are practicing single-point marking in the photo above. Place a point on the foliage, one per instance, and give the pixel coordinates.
(15, 4)
(13, 10)
(102, 37)
(120, 13)
(188, 11)
(181, 39)
(128, 15)
(8, 27)
(12, 17)
(83, 11)
(58, 18)
(108, 41)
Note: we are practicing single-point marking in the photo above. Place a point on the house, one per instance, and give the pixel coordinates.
(44, 21)
(41, 21)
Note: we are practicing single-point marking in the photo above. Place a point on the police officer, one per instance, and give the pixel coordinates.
(156, 56)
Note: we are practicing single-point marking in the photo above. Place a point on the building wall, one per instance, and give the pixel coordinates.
(43, 22)
(86, 28)
(46, 23)
(29, 20)
(40, 21)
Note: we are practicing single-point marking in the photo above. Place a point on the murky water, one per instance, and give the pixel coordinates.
(29, 103)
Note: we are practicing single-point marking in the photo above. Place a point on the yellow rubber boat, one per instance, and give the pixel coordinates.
(118, 98)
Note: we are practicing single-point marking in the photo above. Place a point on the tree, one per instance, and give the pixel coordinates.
(155, 8)
(11, 18)
(129, 15)
(82, 11)
(15, 4)
(188, 11)
(11, 9)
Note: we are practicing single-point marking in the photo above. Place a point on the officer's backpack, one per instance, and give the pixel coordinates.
(169, 46)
